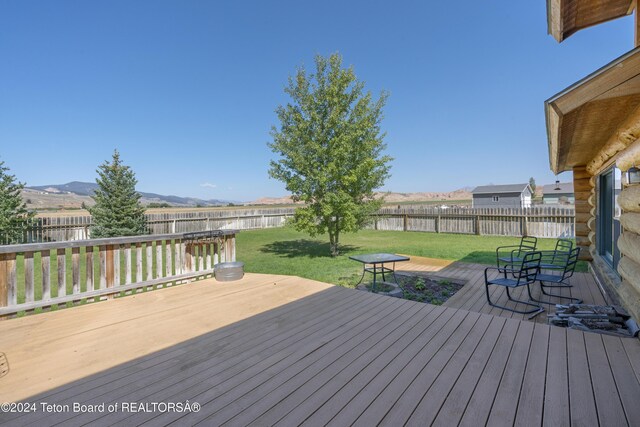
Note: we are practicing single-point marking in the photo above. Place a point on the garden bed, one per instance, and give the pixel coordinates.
(428, 289)
(417, 287)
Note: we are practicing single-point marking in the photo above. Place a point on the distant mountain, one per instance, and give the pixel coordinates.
(88, 188)
(461, 194)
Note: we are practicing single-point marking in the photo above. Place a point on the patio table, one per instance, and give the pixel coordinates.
(375, 264)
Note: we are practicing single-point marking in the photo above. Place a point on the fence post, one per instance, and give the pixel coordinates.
(438, 223)
(404, 222)
(477, 223)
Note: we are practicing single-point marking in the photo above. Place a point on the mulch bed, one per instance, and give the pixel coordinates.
(431, 290)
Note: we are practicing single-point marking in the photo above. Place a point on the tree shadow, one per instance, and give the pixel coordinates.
(480, 257)
(303, 248)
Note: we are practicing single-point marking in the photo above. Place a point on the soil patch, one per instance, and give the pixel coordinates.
(432, 290)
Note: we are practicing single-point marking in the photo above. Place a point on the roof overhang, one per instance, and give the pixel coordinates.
(565, 17)
(582, 118)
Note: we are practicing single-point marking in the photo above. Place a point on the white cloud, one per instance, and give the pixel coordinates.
(208, 184)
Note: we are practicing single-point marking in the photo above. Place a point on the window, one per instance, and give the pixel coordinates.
(496, 198)
(608, 220)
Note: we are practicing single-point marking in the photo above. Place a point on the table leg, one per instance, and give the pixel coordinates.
(373, 285)
(364, 270)
(394, 273)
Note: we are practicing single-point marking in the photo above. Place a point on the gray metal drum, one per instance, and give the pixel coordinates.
(229, 271)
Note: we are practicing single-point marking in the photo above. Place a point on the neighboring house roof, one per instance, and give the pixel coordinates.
(506, 188)
(561, 188)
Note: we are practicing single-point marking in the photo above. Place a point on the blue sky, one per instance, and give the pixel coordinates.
(186, 90)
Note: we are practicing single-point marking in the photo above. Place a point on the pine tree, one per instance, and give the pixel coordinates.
(118, 211)
(15, 219)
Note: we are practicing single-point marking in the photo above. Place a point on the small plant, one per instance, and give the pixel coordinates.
(420, 284)
(444, 282)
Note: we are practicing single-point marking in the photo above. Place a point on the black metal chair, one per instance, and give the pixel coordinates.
(525, 275)
(557, 258)
(561, 279)
(512, 255)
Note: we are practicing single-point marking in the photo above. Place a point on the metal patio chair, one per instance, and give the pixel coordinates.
(509, 256)
(557, 258)
(525, 275)
(560, 279)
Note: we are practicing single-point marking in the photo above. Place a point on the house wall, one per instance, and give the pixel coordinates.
(554, 199)
(585, 212)
(622, 285)
(506, 200)
(629, 241)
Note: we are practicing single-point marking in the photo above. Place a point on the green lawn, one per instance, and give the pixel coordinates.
(286, 251)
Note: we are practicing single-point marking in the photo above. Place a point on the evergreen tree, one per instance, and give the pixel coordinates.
(15, 219)
(331, 150)
(118, 211)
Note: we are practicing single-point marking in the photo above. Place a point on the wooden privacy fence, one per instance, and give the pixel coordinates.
(60, 228)
(545, 221)
(549, 222)
(41, 275)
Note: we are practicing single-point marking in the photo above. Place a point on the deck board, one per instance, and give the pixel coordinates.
(556, 400)
(581, 401)
(278, 350)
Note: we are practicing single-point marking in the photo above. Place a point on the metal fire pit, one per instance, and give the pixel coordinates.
(603, 319)
(229, 271)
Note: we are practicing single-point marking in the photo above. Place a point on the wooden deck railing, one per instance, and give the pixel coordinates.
(42, 275)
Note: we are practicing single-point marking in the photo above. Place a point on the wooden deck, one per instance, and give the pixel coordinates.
(277, 350)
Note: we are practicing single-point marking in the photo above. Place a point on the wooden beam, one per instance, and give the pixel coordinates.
(630, 157)
(636, 26)
(625, 134)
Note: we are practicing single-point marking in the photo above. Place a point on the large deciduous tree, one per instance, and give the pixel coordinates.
(118, 211)
(331, 149)
(15, 218)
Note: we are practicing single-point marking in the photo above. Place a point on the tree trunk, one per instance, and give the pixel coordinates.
(333, 239)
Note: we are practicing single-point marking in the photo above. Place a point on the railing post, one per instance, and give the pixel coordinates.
(188, 259)
(45, 268)
(4, 283)
(159, 258)
(110, 272)
(75, 270)
(29, 290)
(62, 271)
(89, 268)
(168, 264)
